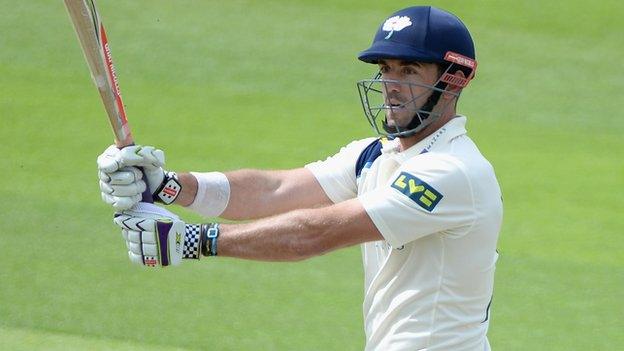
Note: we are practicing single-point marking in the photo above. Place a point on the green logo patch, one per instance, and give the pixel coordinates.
(418, 191)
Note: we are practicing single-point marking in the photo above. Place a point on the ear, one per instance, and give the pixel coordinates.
(452, 88)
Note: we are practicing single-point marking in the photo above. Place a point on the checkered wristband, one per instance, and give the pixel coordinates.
(192, 241)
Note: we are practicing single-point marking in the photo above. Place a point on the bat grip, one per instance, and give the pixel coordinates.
(147, 195)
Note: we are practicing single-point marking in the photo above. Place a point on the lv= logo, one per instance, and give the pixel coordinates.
(417, 190)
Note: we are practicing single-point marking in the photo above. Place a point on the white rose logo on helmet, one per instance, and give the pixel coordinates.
(395, 23)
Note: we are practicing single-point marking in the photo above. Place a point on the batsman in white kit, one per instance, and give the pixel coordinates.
(420, 199)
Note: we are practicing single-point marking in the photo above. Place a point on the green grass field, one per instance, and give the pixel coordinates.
(271, 84)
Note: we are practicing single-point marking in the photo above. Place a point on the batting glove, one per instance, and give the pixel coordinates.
(122, 183)
(157, 237)
(153, 235)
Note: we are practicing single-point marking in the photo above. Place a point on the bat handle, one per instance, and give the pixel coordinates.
(147, 195)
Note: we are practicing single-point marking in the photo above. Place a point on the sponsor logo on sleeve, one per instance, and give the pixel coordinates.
(418, 191)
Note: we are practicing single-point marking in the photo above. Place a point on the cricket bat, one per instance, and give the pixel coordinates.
(92, 37)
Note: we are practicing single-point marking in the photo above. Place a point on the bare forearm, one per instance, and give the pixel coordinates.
(260, 193)
(298, 235)
(253, 194)
(286, 237)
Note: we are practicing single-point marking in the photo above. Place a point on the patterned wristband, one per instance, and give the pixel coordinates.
(209, 236)
(169, 190)
(204, 240)
(192, 241)
(213, 235)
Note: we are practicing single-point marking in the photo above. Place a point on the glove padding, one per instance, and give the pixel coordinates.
(153, 235)
(121, 182)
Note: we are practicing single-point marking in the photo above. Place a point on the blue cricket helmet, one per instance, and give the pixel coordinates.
(420, 33)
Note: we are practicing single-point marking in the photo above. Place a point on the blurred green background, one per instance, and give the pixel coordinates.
(271, 84)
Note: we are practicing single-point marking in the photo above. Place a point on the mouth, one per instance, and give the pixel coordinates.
(394, 105)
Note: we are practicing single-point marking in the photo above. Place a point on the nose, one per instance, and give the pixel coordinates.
(391, 89)
(392, 86)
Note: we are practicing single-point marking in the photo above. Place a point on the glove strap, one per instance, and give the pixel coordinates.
(210, 234)
(169, 189)
(192, 241)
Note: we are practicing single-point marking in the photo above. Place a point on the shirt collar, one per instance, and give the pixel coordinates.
(452, 129)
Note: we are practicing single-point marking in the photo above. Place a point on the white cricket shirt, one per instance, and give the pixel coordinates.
(438, 205)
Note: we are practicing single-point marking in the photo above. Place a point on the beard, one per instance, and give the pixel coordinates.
(400, 110)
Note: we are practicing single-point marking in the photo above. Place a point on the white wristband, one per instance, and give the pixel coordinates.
(213, 194)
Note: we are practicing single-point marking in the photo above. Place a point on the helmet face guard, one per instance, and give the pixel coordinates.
(399, 116)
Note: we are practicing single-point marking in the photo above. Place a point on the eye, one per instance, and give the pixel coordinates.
(408, 70)
(384, 69)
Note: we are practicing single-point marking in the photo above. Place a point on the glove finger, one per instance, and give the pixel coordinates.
(124, 176)
(135, 248)
(103, 176)
(121, 203)
(135, 223)
(155, 157)
(132, 189)
(107, 162)
(148, 237)
(133, 236)
(144, 209)
(126, 198)
(105, 188)
(134, 258)
(124, 233)
(108, 199)
(143, 156)
(126, 202)
(150, 249)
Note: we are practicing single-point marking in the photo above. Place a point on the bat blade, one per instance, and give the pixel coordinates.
(94, 43)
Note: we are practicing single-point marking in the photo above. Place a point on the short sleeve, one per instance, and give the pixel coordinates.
(429, 196)
(336, 174)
